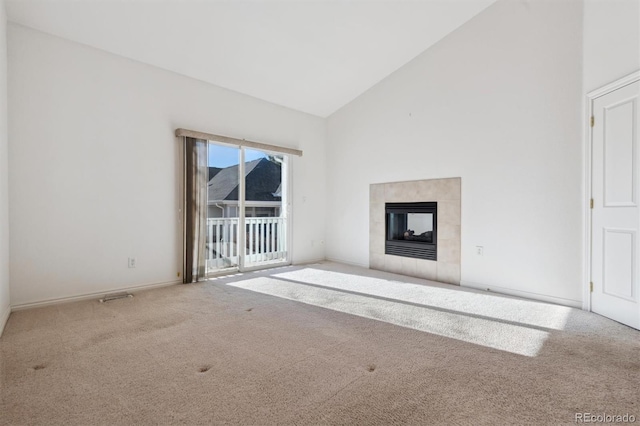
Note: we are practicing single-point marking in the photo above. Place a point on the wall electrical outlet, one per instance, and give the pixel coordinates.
(132, 262)
(479, 250)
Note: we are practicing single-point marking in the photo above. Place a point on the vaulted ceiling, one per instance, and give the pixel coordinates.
(309, 55)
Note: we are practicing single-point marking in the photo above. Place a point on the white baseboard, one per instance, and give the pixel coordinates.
(87, 296)
(525, 294)
(308, 261)
(348, 262)
(4, 317)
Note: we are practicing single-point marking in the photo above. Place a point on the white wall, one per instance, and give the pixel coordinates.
(498, 103)
(94, 166)
(611, 41)
(4, 175)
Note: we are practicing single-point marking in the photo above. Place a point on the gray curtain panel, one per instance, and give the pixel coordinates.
(195, 209)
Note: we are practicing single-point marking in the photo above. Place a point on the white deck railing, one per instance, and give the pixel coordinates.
(265, 241)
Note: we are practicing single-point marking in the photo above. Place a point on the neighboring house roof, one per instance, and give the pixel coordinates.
(213, 171)
(262, 182)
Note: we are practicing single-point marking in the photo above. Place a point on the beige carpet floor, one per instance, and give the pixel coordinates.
(315, 344)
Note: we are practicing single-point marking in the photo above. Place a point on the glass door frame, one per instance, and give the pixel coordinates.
(285, 212)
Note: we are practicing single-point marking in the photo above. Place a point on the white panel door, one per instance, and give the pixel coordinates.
(616, 216)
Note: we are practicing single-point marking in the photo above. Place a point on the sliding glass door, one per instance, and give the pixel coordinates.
(222, 247)
(247, 209)
(265, 214)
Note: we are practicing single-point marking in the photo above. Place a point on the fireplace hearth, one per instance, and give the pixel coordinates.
(411, 230)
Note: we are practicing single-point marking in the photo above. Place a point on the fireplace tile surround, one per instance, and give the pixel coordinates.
(446, 192)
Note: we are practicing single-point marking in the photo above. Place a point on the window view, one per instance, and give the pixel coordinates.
(222, 207)
(264, 223)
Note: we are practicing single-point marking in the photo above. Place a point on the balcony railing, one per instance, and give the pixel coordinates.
(265, 241)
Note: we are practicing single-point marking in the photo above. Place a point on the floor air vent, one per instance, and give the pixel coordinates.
(115, 296)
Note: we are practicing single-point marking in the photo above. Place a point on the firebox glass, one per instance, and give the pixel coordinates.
(416, 227)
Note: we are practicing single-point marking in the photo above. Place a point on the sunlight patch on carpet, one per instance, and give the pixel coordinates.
(526, 312)
(485, 331)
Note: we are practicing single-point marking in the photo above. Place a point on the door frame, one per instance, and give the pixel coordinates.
(287, 205)
(588, 167)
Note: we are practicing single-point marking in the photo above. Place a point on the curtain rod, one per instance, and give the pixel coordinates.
(234, 141)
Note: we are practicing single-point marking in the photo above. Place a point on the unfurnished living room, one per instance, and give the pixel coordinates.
(275, 212)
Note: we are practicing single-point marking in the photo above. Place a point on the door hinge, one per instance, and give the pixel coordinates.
(591, 203)
(593, 121)
(591, 287)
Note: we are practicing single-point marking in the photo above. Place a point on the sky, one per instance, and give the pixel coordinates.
(225, 156)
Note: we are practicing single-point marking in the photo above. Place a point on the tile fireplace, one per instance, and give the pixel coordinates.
(414, 228)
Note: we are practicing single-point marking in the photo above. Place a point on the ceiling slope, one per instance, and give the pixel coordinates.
(311, 56)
